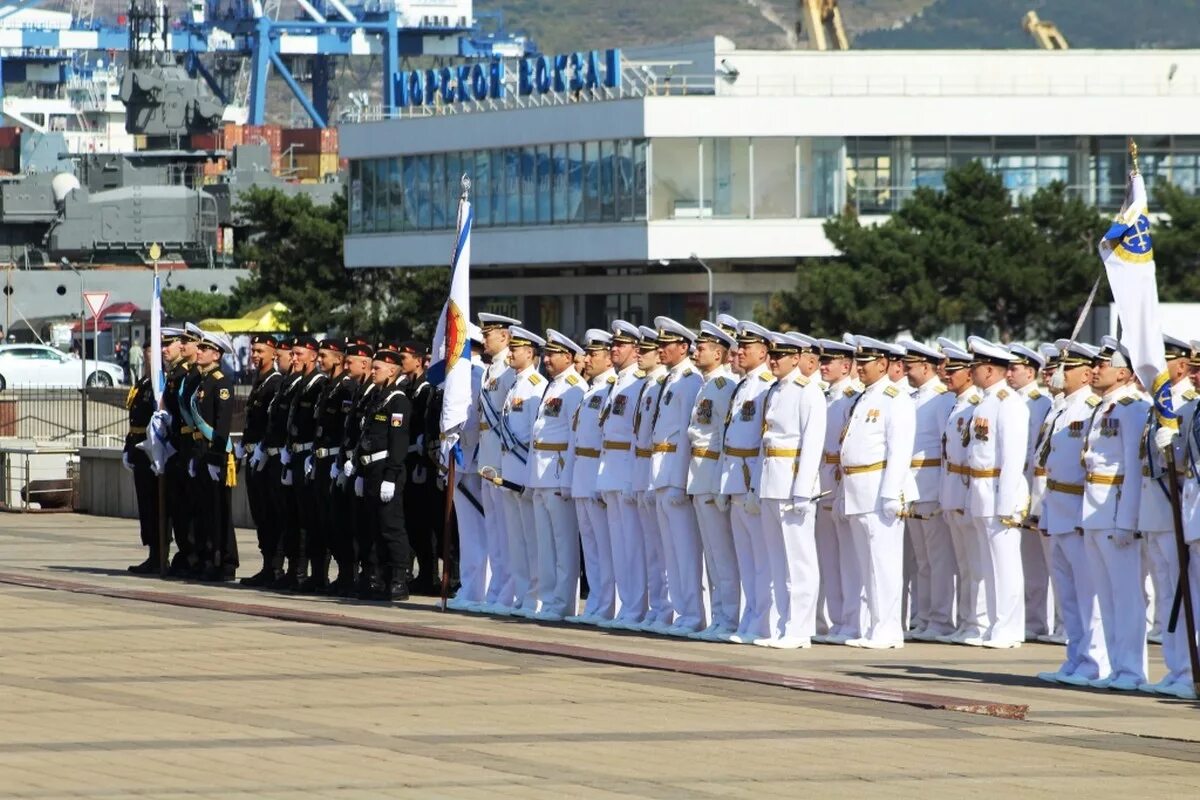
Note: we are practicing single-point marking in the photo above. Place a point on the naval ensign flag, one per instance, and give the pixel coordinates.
(451, 343)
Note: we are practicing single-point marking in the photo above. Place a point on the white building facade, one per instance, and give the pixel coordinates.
(600, 202)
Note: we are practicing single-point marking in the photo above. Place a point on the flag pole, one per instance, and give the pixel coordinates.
(1183, 588)
(163, 545)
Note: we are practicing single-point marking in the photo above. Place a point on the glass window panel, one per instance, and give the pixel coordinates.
(382, 209)
(499, 195)
(591, 181)
(827, 178)
(640, 148)
(608, 196)
(356, 196)
(929, 146)
(977, 145)
(676, 179)
(774, 178)
(625, 180)
(437, 190)
(481, 190)
(454, 173)
(929, 171)
(727, 176)
(368, 194)
(396, 191)
(560, 171)
(543, 185)
(512, 184)
(528, 185)
(575, 166)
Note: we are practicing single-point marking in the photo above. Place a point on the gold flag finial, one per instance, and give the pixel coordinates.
(1133, 150)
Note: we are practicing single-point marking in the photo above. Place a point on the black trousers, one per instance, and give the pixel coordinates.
(216, 518)
(145, 488)
(262, 509)
(323, 519)
(392, 553)
(420, 511)
(179, 506)
(287, 514)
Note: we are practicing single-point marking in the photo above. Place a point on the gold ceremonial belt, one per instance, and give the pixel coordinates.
(780, 452)
(956, 469)
(483, 426)
(663, 447)
(1064, 488)
(983, 473)
(137, 428)
(1105, 480)
(700, 452)
(643, 452)
(876, 467)
(741, 452)
(186, 429)
(917, 463)
(553, 447)
(1039, 472)
(832, 458)
(616, 445)
(587, 452)
(197, 435)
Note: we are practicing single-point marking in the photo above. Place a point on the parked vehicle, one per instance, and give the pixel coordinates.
(36, 365)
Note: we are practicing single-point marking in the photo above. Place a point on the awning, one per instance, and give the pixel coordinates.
(264, 319)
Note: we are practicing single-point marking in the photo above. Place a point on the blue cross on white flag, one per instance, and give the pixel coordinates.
(157, 445)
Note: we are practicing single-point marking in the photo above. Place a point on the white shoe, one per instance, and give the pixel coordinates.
(971, 641)
(527, 613)
(607, 624)
(821, 638)
(955, 637)
(1126, 684)
(724, 635)
(837, 638)
(876, 644)
(500, 611)
(548, 616)
(1101, 683)
(1156, 688)
(454, 604)
(1050, 677)
(577, 619)
(704, 634)
(1075, 680)
(926, 636)
(475, 608)
(1002, 644)
(1181, 689)
(1052, 638)
(790, 643)
(741, 638)
(659, 627)
(681, 631)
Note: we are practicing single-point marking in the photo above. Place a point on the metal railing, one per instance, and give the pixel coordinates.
(47, 477)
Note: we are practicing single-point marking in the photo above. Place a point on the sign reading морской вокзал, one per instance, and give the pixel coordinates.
(486, 80)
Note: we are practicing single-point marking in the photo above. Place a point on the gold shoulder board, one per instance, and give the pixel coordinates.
(801, 380)
(1190, 394)
(639, 373)
(720, 382)
(217, 374)
(1034, 394)
(849, 391)
(941, 389)
(1002, 394)
(974, 400)
(534, 378)
(1126, 400)
(612, 378)
(1092, 401)
(891, 391)
(765, 376)
(572, 380)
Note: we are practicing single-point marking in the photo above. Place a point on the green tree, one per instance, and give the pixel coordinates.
(962, 255)
(294, 251)
(189, 305)
(1177, 244)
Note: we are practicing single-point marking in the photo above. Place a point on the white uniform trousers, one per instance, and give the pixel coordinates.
(716, 535)
(557, 552)
(472, 540)
(795, 575)
(499, 587)
(855, 620)
(629, 556)
(1164, 572)
(597, 558)
(1116, 577)
(879, 550)
(1004, 580)
(660, 561)
(829, 598)
(1087, 656)
(746, 527)
(932, 544)
(913, 588)
(970, 597)
(1165, 555)
(685, 561)
(522, 549)
(1039, 613)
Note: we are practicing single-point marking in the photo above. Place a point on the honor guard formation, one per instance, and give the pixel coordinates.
(731, 484)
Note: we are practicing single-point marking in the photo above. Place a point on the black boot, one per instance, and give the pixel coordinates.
(147, 567)
(318, 582)
(261, 578)
(288, 581)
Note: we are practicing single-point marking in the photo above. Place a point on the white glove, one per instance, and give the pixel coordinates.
(358, 486)
(446, 450)
(308, 467)
(890, 511)
(387, 490)
(239, 452)
(1163, 438)
(722, 502)
(565, 493)
(348, 468)
(750, 503)
(335, 470)
(258, 458)
(802, 507)
(675, 496)
(286, 478)
(1122, 538)
(192, 468)
(214, 472)
(125, 462)
(285, 456)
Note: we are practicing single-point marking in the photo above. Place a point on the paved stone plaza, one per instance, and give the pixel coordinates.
(105, 696)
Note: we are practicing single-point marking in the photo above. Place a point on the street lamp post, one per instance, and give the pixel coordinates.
(82, 353)
(707, 269)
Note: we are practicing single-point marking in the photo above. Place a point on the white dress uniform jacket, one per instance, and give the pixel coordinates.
(616, 425)
(743, 433)
(517, 415)
(706, 432)
(996, 455)
(955, 443)
(1063, 456)
(1113, 486)
(669, 422)
(932, 403)
(1155, 511)
(586, 435)
(643, 424)
(553, 459)
(877, 446)
(793, 439)
(839, 399)
(498, 379)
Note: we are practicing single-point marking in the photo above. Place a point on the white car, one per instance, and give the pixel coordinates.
(23, 365)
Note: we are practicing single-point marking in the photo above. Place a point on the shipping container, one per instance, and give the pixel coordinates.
(270, 135)
(206, 141)
(315, 166)
(10, 138)
(311, 141)
(232, 135)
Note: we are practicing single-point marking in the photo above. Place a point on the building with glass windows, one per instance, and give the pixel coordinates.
(593, 201)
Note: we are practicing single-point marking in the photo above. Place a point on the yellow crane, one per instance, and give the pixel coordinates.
(822, 21)
(1046, 34)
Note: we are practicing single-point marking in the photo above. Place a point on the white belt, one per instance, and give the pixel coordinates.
(273, 451)
(373, 457)
(301, 448)
(326, 452)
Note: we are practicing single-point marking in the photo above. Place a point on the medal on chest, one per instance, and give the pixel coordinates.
(704, 411)
(982, 430)
(552, 407)
(747, 412)
(618, 406)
